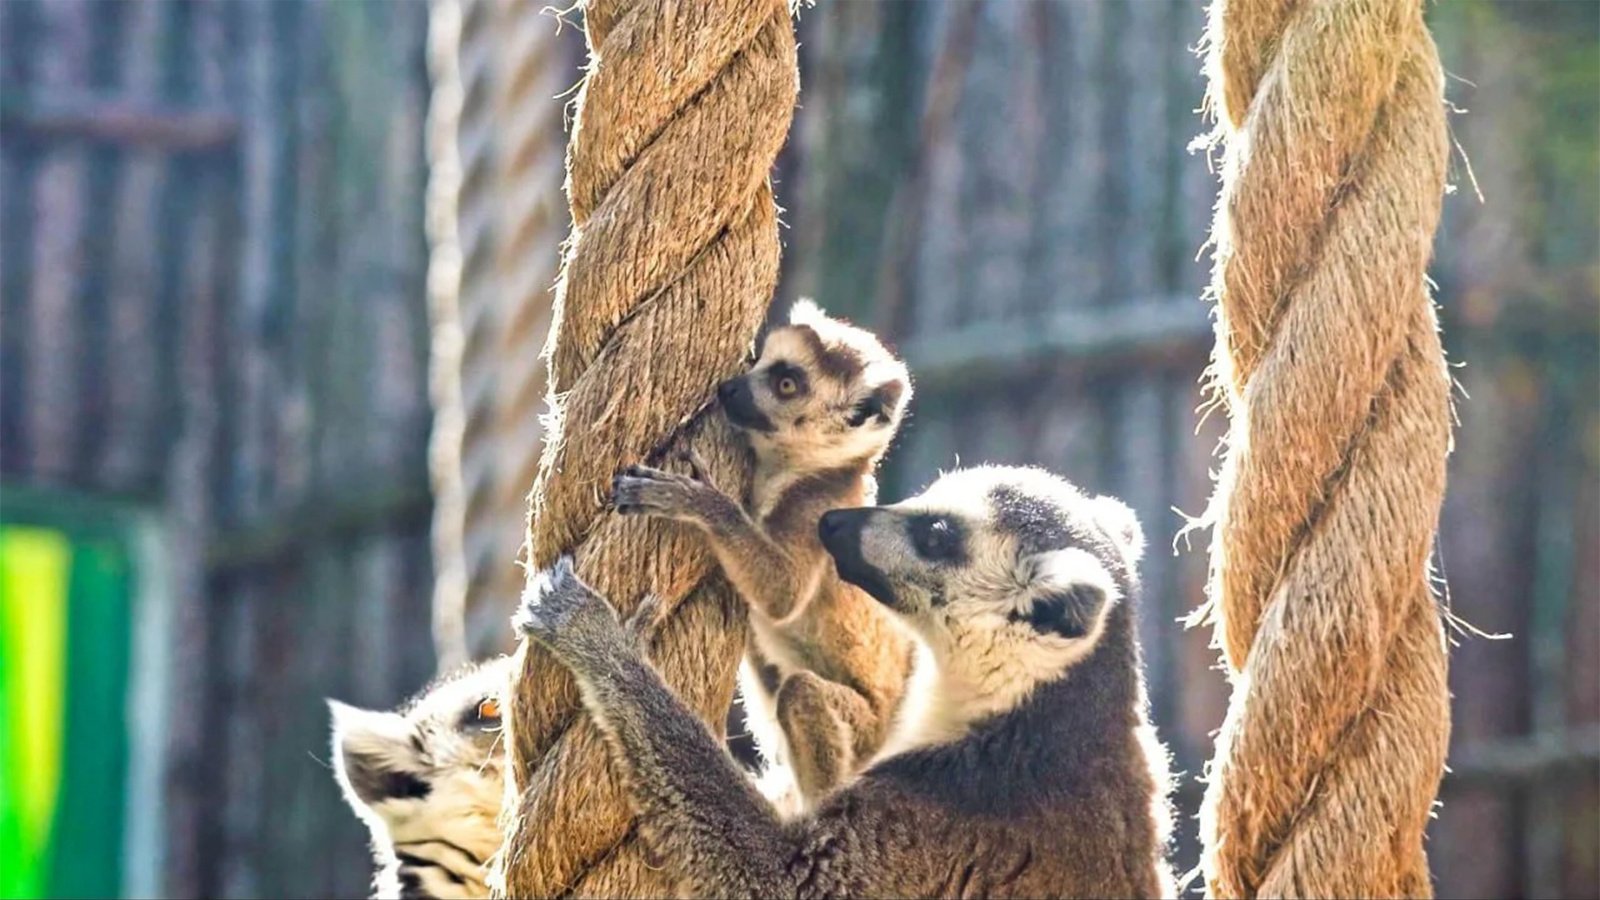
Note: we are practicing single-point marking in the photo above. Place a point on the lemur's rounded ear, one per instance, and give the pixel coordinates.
(880, 405)
(1122, 523)
(1066, 591)
(375, 755)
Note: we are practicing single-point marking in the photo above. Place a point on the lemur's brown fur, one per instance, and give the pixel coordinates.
(820, 407)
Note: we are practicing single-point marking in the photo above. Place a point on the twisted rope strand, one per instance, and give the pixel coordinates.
(1328, 358)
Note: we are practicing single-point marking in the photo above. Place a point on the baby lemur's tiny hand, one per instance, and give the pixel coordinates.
(646, 491)
(566, 615)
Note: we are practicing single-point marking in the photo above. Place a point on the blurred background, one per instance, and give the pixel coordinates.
(223, 362)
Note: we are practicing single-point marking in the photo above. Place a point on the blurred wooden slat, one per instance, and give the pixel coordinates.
(60, 192)
(1144, 328)
(1071, 431)
(1080, 34)
(18, 162)
(1196, 184)
(87, 117)
(1143, 480)
(1142, 51)
(1548, 757)
(132, 270)
(1003, 95)
(942, 237)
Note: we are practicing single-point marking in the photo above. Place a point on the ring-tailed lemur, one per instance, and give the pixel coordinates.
(827, 668)
(1031, 771)
(428, 781)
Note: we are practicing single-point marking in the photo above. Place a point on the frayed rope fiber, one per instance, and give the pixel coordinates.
(1328, 360)
(670, 266)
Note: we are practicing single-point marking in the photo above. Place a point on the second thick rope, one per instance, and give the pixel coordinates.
(1329, 361)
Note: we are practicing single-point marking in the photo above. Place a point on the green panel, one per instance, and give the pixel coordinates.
(88, 824)
(33, 590)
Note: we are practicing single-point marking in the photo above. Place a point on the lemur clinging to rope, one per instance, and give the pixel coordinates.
(827, 667)
(1033, 771)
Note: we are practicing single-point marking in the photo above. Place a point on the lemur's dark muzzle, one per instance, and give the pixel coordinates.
(840, 532)
(739, 402)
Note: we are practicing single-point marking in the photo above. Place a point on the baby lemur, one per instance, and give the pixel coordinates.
(827, 668)
(428, 781)
(1031, 772)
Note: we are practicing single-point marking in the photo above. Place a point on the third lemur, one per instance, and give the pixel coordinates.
(1032, 770)
(428, 780)
(827, 668)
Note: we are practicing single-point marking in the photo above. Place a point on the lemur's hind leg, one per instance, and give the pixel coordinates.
(827, 726)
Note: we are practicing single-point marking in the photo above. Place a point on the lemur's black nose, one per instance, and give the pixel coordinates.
(729, 389)
(840, 528)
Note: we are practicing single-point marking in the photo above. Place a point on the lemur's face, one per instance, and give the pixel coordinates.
(823, 393)
(429, 780)
(1000, 558)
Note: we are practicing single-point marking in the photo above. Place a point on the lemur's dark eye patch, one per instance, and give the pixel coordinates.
(938, 538)
(786, 380)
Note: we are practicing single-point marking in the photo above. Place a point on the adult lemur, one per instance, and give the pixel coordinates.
(827, 668)
(428, 781)
(1032, 772)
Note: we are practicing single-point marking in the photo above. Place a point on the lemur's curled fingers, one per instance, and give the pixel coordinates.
(643, 490)
(559, 609)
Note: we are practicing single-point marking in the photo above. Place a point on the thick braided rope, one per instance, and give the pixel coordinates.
(1328, 358)
(671, 263)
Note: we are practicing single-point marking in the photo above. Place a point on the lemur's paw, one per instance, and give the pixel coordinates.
(646, 491)
(559, 609)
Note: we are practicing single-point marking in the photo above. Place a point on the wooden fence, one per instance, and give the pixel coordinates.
(213, 312)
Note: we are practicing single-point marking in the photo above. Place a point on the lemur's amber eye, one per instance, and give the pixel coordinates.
(787, 387)
(489, 708)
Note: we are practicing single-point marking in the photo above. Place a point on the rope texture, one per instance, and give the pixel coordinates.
(671, 263)
(1329, 362)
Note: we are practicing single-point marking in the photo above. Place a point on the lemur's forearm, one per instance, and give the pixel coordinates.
(694, 801)
(772, 578)
(769, 578)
